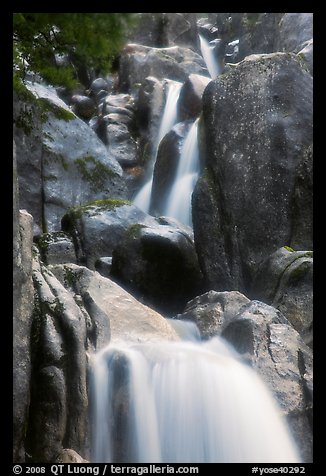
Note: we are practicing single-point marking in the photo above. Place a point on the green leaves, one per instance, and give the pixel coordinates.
(84, 40)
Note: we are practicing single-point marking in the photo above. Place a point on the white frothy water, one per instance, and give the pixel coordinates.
(184, 402)
(143, 197)
(178, 203)
(209, 57)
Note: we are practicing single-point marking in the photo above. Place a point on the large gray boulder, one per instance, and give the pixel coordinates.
(129, 319)
(256, 192)
(264, 337)
(212, 311)
(137, 62)
(285, 280)
(22, 318)
(98, 227)
(158, 264)
(72, 165)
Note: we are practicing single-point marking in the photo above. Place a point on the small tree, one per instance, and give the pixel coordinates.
(85, 41)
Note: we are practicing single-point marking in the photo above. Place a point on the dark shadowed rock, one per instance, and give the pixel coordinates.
(103, 265)
(101, 84)
(166, 165)
(285, 280)
(256, 193)
(83, 106)
(190, 99)
(270, 344)
(159, 264)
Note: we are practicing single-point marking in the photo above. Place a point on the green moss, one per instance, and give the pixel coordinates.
(48, 136)
(146, 155)
(22, 91)
(55, 158)
(250, 20)
(298, 273)
(43, 243)
(96, 206)
(46, 107)
(51, 177)
(59, 308)
(70, 277)
(94, 172)
(25, 121)
(133, 231)
(288, 248)
(309, 254)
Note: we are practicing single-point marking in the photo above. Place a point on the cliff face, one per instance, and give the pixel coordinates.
(90, 267)
(255, 193)
(23, 294)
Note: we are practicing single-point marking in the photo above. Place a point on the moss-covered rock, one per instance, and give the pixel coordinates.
(98, 226)
(56, 247)
(69, 164)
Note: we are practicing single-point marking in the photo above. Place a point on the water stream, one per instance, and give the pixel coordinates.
(143, 197)
(183, 402)
(207, 51)
(178, 203)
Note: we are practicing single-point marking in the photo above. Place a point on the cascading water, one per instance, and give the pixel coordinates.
(207, 51)
(143, 197)
(183, 402)
(178, 203)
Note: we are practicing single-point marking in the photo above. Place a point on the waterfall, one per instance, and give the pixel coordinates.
(207, 51)
(143, 197)
(183, 402)
(178, 203)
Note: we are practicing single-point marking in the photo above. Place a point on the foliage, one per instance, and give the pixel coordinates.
(60, 46)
